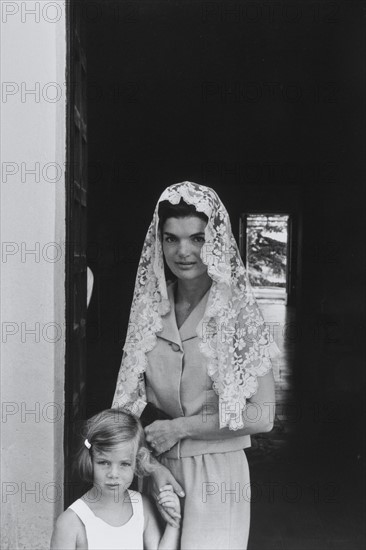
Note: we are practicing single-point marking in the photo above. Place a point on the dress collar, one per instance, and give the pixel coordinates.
(189, 328)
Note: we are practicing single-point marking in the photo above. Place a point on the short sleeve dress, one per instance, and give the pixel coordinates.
(214, 474)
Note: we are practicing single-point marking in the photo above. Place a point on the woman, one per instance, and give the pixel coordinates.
(197, 349)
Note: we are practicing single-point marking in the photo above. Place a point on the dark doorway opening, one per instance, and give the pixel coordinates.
(159, 113)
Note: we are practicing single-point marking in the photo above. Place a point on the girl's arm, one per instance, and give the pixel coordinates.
(69, 532)
(258, 418)
(152, 535)
(161, 476)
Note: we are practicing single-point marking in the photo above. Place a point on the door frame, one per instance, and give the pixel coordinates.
(76, 275)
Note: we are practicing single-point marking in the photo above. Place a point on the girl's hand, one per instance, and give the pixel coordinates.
(162, 435)
(169, 501)
(161, 477)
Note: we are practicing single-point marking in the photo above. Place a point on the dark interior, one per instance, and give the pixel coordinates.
(266, 105)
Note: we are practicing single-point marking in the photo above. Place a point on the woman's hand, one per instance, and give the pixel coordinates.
(162, 435)
(162, 477)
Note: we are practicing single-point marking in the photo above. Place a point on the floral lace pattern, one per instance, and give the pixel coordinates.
(233, 338)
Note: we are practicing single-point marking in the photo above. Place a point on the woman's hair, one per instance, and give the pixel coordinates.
(181, 210)
(106, 430)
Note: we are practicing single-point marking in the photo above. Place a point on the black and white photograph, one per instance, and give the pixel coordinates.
(183, 274)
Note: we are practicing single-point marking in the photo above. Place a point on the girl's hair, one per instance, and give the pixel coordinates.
(181, 210)
(106, 430)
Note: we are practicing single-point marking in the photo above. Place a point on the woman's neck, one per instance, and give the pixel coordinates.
(192, 292)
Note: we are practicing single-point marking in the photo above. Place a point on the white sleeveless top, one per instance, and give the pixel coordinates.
(102, 536)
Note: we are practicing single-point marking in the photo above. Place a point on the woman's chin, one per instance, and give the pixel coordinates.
(187, 277)
(190, 275)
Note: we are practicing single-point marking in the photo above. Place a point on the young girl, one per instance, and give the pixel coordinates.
(110, 516)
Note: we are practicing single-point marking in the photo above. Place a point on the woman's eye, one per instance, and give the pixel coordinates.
(199, 239)
(102, 462)
(126, 464)
(169, 239)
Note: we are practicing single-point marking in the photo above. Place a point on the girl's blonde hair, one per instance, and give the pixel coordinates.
(106, 430)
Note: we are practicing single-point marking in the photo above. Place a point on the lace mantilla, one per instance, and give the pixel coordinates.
(234, 340)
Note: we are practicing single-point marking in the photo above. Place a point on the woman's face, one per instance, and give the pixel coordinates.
(183, 239)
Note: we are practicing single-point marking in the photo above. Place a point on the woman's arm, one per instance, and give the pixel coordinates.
(258, 418)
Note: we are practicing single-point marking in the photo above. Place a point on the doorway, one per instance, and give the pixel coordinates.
(265, 241)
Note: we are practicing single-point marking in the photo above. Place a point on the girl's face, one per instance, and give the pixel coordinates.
(113, 470)
(183, 239)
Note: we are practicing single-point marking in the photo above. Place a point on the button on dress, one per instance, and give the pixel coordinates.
(214, 474)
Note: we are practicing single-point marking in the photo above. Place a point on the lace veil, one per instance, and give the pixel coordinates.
(233, 338)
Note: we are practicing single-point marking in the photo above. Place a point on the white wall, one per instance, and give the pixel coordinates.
(32, 283)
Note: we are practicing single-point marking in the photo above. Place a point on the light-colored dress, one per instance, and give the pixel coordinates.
(103, 536)
(214, 474)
